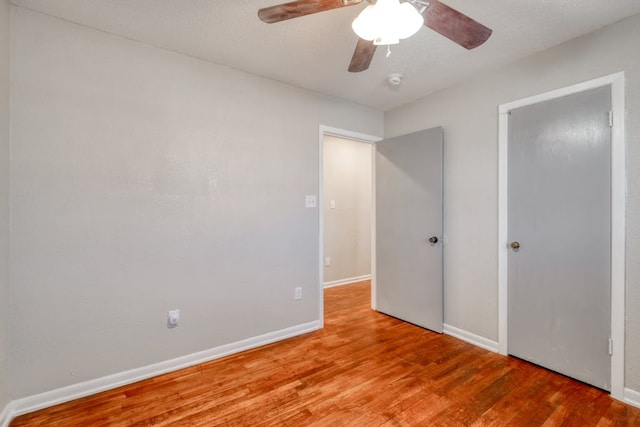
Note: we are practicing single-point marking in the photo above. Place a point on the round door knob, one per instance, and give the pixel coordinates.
(433, 240)
(515, 245)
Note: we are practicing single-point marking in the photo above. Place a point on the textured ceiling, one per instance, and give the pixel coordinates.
(314, 51)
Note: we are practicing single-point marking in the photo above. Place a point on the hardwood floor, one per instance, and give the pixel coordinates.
(362, 369)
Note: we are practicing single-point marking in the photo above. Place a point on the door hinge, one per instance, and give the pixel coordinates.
(610, 119)
(610, 347)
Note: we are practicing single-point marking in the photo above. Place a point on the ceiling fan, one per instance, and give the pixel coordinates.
(432, 13)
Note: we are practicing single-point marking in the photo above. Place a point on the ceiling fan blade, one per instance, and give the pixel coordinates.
(455, 26)
(295, 9)
(362, 56)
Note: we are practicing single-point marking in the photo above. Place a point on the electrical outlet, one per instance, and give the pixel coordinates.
(173, 318)
(332, 204)
(297, 293)
(327, 261)
(310, 201)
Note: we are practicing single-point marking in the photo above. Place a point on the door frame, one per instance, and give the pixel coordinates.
(359, 137)
(618, 222)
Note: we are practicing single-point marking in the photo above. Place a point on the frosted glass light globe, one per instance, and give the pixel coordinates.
(387, 21)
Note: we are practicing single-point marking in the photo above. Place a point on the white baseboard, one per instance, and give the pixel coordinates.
(632, 397)
(75, 391)
(348, 281)
(6, 415)
(474, 339)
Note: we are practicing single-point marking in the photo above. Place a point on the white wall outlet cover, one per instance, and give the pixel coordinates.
(311, 201)
(327, 261)
(333, 204)
(298, 293)
(173, 318)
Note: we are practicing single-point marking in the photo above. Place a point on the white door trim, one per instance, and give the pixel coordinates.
(618, 226)
(360, 137)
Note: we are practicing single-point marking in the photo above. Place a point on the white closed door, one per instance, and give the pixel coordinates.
(559, 225)
(408, 181)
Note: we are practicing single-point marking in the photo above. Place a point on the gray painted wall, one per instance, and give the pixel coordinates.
(468, 113)
(347, 228)
(4, 203)
(143, 181)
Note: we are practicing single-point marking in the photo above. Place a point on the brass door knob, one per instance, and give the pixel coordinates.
(515, 245)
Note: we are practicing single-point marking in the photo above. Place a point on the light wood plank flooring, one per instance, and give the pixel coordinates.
(362, 369)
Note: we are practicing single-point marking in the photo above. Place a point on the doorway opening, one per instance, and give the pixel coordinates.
(347, 218)
(406, 249)
(348, 191)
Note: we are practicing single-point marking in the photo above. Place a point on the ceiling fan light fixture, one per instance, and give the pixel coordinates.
(387, 21)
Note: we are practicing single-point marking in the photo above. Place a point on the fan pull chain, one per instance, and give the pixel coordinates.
(388, 50)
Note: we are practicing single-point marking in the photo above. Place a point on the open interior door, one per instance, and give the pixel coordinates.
(408, 176)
